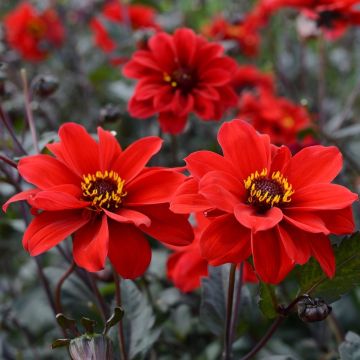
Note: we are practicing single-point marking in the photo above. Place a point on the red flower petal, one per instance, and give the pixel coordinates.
(255, 149)
(167, 227)
(338, 221)
(171, 123)
(200, 163)
(77, 149)
(60, 197)
(185, 46)
(250, 218)
(225, 241)
(109, 149)
(324, 254)
(187, 199)
(302, 171)
(51, 227)
(153, 187)
(307, 221)
(24, 195)
(270, 258)
(129, 251)
(223, 190)
(134, 158)
(32, 170)
(296, 243)
(322, 197)
(129, 216)
(90, 246)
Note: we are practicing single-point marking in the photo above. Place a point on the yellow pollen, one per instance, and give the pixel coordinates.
(266, 191)
(288, 122)
(167, 77)
(103, 189)
(174, 84)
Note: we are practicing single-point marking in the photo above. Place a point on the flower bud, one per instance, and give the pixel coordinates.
(44, 85)
(110, 113)
(311, 310)
(94, 346)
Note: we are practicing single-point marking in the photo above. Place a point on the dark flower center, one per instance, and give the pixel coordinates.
(328, 18)
(37, 28)
(183, 79)
(103, 190)
(264, 192)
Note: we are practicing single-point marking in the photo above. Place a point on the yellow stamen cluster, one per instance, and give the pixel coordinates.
(103, 189)
(170, 80)
(265, 192)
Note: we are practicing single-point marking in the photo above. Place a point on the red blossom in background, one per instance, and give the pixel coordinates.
(244, 31)
(265, 203)
(331, 16)
(105, 197)
(31, 33)
(276, 116)
(114, 12)
(250, 78)
(180, 74)
(186, 266)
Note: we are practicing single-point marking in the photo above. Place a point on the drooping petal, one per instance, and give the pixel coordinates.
(255, 221)
(172, 123)
(77, 149)
(322, 197)
(91, 242)
(338, 221)
(129, 251)
(129, 216)
(167, 227)
(187, 199)
(271, 261)
(225, 241)
(45, 171)
(109, 149)
(303, 171)
(51, 227)
(296, 243)
(244, 148)
(153, 187)
(134, 158)
(323, 252)
(24, 195)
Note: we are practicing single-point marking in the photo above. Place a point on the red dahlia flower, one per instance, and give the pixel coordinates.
(265, 203)
(243, 31)
(331, 16)
(186, 266)
(103, 195)
(250, 78)
(31, 33)
(179, 74)
(276, 116)
(138, 16)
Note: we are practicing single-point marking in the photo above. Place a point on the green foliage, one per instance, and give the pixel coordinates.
(139, 320)
(213, 300)
(268, 302)
(314, 282)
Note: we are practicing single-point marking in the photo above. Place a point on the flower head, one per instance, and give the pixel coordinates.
(115, 13)
(180, 74)
(31, 33)
(265, 203)
(104, 196)
(331, 16)
(276, 116)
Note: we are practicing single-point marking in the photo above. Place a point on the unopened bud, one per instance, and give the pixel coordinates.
(44, 85)
(91, 347)
(311, 310)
